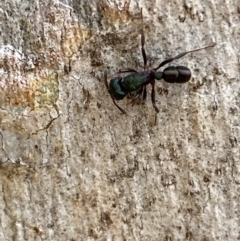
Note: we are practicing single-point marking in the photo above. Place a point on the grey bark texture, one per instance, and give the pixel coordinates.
(73, 167)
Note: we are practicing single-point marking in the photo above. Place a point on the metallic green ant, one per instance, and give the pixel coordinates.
(119, 87)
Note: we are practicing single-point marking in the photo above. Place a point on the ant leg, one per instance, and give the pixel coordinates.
(121, 109)
(143, 43)
(139, 92)
(144, 94)
(180, 56)
(106, 84)
(153, 98)
(128, 70)
(105, 79)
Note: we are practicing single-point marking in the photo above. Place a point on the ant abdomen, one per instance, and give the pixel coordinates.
(176, 74)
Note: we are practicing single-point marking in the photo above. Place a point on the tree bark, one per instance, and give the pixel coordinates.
(73, 167)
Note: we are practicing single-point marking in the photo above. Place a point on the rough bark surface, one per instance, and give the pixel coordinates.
(73, 167)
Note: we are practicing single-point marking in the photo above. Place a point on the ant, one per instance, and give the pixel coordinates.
(119, 87)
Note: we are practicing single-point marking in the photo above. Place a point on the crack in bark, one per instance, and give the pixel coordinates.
(46, 126)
